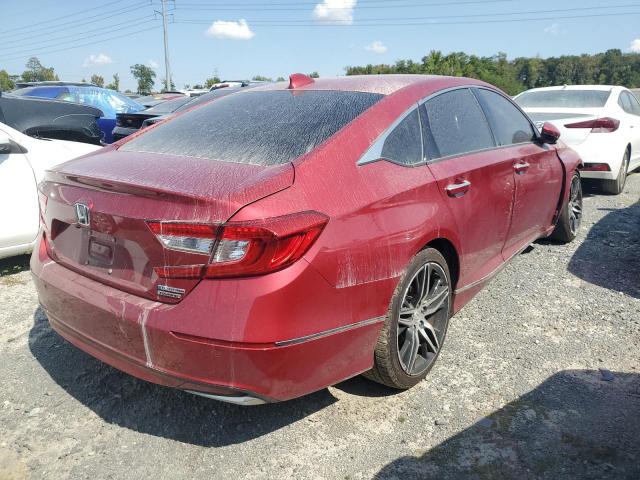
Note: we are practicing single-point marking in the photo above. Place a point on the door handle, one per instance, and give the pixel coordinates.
(521, 168)
(456, 190)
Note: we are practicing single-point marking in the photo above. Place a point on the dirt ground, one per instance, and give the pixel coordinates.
(539, 378)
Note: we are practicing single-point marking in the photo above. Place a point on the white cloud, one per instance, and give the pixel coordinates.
(376, 47)
(230, 30)
(335, 11)
(634, 46)
(553, 29)
(153, 64)
(99, 59)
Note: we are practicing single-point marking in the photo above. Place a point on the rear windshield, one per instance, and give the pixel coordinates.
(261, 128)
(564, 99)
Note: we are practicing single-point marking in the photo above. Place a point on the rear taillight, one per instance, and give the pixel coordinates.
(42, 202)
(599, 125)
(595, 167)
(238, 249)
(186, 237)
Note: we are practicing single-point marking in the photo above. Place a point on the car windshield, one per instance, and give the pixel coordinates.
(169, 106)
(261, 128)
(564, 99)
(109, 101)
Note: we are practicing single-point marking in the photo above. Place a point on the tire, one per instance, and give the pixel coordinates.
(428, 315)
(615, 187)
(571, 215)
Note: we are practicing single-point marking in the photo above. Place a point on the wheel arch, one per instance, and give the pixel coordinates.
(450, 253)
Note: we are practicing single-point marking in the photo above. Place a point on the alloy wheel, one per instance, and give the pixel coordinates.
(423, 317)
(575, 205)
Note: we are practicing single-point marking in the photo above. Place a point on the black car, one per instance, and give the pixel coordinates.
(53, 119)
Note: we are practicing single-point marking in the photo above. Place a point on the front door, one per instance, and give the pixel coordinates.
(475, 180)
(537, 170)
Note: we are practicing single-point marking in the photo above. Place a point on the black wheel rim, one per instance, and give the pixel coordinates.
(423, 317)
(575, 205)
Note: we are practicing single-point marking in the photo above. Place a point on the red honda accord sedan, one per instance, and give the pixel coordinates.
(280, 240)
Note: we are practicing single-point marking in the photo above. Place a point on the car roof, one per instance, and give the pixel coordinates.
(380, 84)
(607, 88)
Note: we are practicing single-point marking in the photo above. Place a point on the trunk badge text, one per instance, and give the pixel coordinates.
(82, 214)
(171, 292)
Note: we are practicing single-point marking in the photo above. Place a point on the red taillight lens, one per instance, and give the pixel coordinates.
(238, 249)
(599, 125)
(256, 248)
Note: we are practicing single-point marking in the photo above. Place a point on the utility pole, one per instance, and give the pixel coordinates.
(167, 68)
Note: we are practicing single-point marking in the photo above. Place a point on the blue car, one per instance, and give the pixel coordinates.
(109, 101)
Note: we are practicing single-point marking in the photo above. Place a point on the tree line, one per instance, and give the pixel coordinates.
(145, 77)
(514, 76)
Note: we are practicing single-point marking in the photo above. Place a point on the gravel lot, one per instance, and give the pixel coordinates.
(539, 378)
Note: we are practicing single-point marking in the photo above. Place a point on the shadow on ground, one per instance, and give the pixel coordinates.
(610, 254)
(11, 265)
(123, 400)
(574, 425)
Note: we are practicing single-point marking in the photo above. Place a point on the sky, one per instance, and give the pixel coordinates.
(237, 39)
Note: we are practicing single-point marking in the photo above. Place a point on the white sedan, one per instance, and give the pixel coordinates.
(601, 123)
(23, 160)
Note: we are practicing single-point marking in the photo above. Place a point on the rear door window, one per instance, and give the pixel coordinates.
(262, 128)
(510, 126)
(454, 124)
(404, 144)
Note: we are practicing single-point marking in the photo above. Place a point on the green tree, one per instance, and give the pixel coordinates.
(6, 83)
(280, 79)
(312, 75)
(210, 82)
(97, 80)
(260, 78)
(145, 77)
(36, 72)
(115, 85)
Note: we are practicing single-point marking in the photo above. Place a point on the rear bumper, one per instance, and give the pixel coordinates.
(601, 148)
(139, 337)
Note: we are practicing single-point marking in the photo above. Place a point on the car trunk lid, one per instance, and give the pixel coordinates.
(563, 117)
(122, 192)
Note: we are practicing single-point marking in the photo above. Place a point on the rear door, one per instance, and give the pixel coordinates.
(475, 180)
(631, 123)
(537, 170)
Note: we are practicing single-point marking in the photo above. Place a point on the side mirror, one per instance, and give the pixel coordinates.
(5, 144)
(550, 134)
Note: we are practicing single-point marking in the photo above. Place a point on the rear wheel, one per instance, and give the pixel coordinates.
(571, 214)
(615, 187)
(416, 323)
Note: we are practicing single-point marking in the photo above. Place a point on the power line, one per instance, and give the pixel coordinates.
(474, 15)
(262, 8)
(84, 44)
(362, 24)
(51, 20)
(71, 35)
(80, 22)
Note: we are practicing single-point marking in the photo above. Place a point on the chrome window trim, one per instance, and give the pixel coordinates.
(374, 152)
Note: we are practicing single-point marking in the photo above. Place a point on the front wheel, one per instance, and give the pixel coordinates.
(416, 323)
(571, 215)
